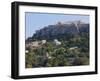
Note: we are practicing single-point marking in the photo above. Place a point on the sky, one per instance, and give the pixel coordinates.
(35, 21)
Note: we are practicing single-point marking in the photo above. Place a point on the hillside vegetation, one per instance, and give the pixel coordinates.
(62, 44)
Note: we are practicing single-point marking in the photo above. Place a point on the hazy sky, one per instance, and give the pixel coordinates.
(36, 21)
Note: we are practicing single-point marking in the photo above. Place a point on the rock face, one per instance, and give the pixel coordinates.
(62, 30)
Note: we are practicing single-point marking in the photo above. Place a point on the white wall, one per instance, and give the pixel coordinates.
(5, 40)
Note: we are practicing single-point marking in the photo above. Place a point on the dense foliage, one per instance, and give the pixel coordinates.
(61, 55)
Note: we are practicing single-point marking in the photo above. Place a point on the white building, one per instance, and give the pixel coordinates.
(35, 44)
(43, 41)
(26, 51)
(72, 48)
(57, 42)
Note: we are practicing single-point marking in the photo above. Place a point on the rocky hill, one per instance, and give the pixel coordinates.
(61, 31)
